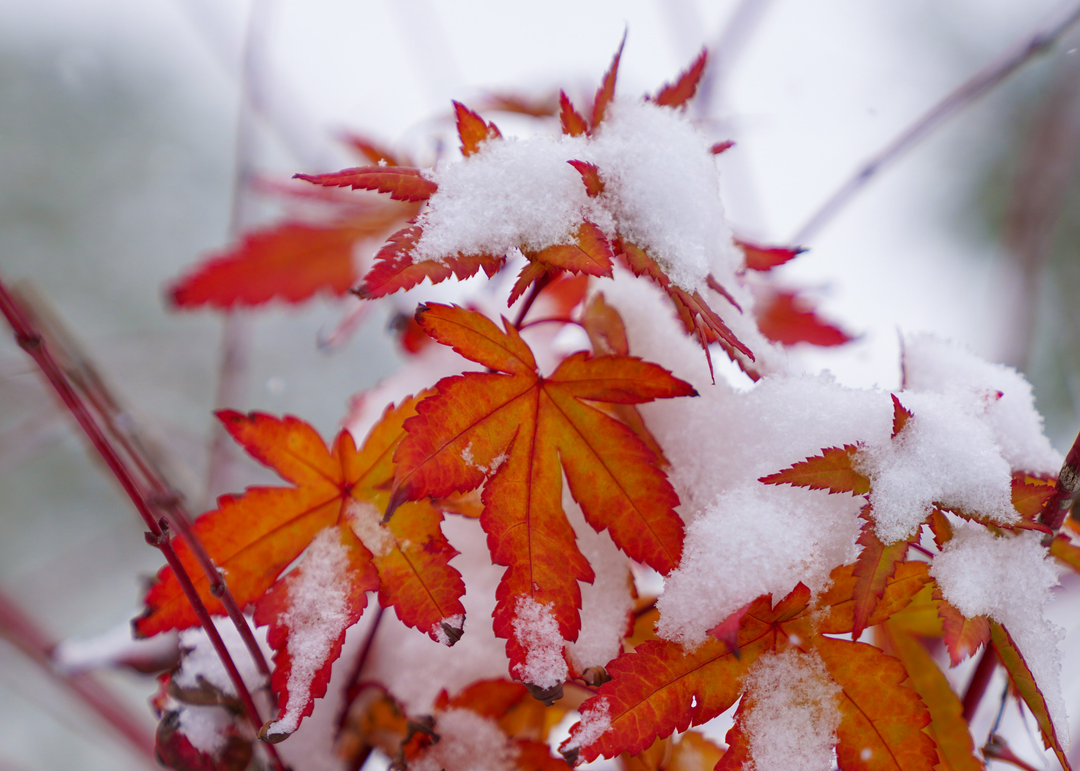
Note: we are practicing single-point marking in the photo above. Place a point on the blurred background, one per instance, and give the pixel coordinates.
(134, 135)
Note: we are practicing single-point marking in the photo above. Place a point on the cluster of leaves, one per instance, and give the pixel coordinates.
(512, 433)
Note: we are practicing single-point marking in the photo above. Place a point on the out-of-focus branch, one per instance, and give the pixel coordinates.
(124, 430)
(1047, 163)
(19, 628)
(725, 49)
(985, 79)
(32, 342)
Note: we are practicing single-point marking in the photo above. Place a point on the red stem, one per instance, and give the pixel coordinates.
(551, 320)
(18, 627)
(31, 342)
(353, 685)
(163, 495)
(530, 298)
(980, 679)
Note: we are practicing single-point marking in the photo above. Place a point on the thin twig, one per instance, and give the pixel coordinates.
(34, 344)
(123, 429)
(353, 685)
(530, 298)
(18, 627)
(985, 79)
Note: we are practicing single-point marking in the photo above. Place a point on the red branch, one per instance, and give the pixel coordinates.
(34, 345)
(19, 628)
(980, 679)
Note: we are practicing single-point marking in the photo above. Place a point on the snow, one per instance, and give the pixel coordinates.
(662, 192)
(207, 728)
(365, 519)
(318, 614)
(607, 601)
(594, 721)
(116, 647)
(1008, 579)
(945, 454)
(201, 663)
(537, 631)
(478, 655)
(933, 365)
(456, 621)
(793, 720)
(467, 742)
(756, 539)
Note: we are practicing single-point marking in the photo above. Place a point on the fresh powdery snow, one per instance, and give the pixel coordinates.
(318, 614)
(792, 725)
(662, 193)
(468, 742)
(1008, 579)
(537, 631)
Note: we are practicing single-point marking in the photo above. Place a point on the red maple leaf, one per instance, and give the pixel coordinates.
(518, 431)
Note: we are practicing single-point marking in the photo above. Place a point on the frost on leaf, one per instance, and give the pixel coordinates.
(545, 428)
(253, 537)
(308, 613)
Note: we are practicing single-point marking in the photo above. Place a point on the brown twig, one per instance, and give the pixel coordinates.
(985, 79)
(19, 628)
(34, 344)
(1065, 490)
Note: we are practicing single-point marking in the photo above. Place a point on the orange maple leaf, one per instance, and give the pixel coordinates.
(519, 431)
(253, 537)
(661, 687)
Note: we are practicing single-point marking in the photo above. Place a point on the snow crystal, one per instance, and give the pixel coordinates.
(756, 539)
(115, 647)
(937, 366)
(512, 193)
(365, 519)
(594, 721)
(607, 601)
(456, 621)
(1008, 579)
(491, 468)
(792, 723)
(468, 742)
(206, 727)
(201, 663)
(946, 454)
(318, 614)
(662, 192)
(537, 632)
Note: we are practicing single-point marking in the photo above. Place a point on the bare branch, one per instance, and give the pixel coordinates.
(985, 79)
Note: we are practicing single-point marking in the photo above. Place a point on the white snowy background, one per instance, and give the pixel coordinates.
(118, 136)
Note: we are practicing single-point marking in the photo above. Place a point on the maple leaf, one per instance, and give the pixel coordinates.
(833, 470)
(787, 318)
(514, 428)
(689, 752)
(947, 727)
(472, 129)
(875, 565)
(253, 537)
(963, 636)
(308, 613)
(572, 122)
(1066, 552)
(606, 92)
(763, 258)
(683, 90)
(1024, 683)
(661, 687)
(403, 183)
(291, 261)
(372, 150)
